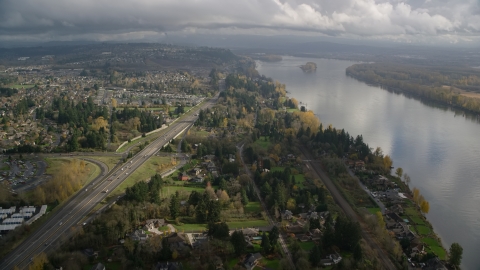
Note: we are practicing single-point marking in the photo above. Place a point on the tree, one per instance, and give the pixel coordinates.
(274, 234)
(265, 243)
(387, 163)
(455, 257)
(38, 262)
(314, 256)
(238, 242)
(244, 197)
(416, 194)
(218, 230)
(425, 207)
(166, 252)
(357, 252)
(114, 103)
(174, 206)
(399, 172)
(406, 179)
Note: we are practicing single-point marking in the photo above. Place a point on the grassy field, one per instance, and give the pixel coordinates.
(170, 190)
(247, 223)
(373, 210)
(277, 169)
(147, 170)
(292, 110)
(26, 86)
(299, 180)
(110, 161)
(56, 164)
(232, 263)
(198, 133)
(270, 264)
(263, 142)
(418, 220)
(253, 207)
(306, 245)
(435, 247)
(149, 137)
(423, 230)
(191, 227)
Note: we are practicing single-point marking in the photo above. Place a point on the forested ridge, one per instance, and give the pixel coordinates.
(441, 84)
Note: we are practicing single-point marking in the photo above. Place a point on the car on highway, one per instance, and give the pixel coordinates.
(86, 189)
(61, 223)
(84, 223)
(105, 191)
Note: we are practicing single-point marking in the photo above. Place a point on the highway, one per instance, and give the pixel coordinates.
(74, 211)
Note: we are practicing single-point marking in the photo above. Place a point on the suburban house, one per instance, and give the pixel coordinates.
(151, 224)
(139, 235)
(331, 260)
(197, 179)
(196, 171)
(252, 260)
(287, 215)
(183, 177)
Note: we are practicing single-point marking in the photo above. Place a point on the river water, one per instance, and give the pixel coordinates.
(436, 146)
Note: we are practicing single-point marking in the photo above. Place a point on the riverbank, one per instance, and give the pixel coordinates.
(368, 73)
(432, 143)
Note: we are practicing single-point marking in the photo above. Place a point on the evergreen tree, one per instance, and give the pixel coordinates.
(238, 242)
(265, 243)
(174, 205)
(274, 234)
(314, 257)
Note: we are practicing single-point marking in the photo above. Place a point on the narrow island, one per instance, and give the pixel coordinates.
(309, 67)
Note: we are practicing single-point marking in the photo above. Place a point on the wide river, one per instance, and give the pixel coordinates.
(436, 146)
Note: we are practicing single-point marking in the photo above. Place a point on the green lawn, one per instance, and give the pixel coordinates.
(198, 133)
(247, 224)
(26, 86)
(292, 110)
(299, 180)
(263, 142)
(191, 227)
(278, 169)
(423, 230)
(306, 245)
(170, 190)
(253, 207)
(270, 264)
(232, 263)
(147, 170)
(411, 211)
(373, 210)
(418, 220)
(435, 247)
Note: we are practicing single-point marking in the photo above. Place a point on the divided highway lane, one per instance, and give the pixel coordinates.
(85, 200)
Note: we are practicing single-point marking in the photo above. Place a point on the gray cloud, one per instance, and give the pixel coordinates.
(408, 20)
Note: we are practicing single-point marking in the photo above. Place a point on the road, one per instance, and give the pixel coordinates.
(76, 209)
(347, 209)
(281, 239)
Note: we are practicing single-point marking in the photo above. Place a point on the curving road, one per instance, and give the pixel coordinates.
(78, 207)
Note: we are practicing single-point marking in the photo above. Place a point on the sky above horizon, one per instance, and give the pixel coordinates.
(404, 21)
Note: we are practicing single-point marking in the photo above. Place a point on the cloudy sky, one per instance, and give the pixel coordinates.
(409, 21)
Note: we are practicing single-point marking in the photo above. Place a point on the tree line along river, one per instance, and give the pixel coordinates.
(435, 145)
